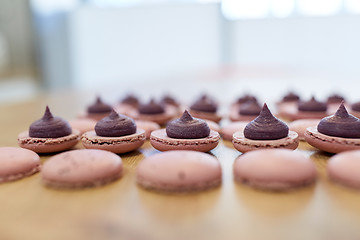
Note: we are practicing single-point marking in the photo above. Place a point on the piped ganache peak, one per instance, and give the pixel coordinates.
(312, 106)
(130, 100)
(205, 108)
(341, 124)
(187, 127)
(99, 107)
(115, 133)
(266, 127)
(185, 133)
(115, 125)
(49, 134)
(335, 98)
(265, 131)
(49, 127)
(250, 108)
(291, 97)
(151, 108)
(337, 133)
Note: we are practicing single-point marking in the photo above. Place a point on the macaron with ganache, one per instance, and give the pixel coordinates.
(246, 111)
(311, 109)
(185, 133)
(98, 110)
(336, 133)
(205, 108)
(115, 133)
(265, 131)
(129, 103)
(49, 134)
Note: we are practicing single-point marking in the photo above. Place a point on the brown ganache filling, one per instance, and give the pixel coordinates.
(246, 98)
(341, 124)
(49, 126)
(115, 125)
(151, 108)
(187, 127)
(291, 97)
(250, 108)
(266, 127)
(355, 106)
(99, 107)
(335, 98)
(130, 99)
(204, 104)
(312, 106)
(167, 99)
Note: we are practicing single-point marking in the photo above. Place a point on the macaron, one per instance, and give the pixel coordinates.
(17, 163)
(147, 126)
(246, 111)
(355, 109)
(81, 168)
(300, 126)
(115, 133)
(265, 131)
(205, 108)
(336, 133)
(128, 104)
(288, 104)
(185, 133)
(97, 110)
(179, 171)
(153, 111)
(49, 134)
(344, 168)
(83, 124)
(228, 130)
(274, 169)
(213, 125)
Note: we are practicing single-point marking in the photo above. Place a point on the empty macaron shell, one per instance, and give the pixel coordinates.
(17, 163)
(344, 168)
(83, 124)
(147, 126)
(274, 169)
(81, 168)
(301, 125)
(228, 130)
(179, 171)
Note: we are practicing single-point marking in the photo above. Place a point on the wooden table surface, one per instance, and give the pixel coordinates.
(122, 210)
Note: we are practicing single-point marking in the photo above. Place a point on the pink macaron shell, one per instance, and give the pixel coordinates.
(301, 125)
(243, 144)
(344, 168)
(81, 168)
(160, 118)
(329, 143)
(83, 124)
(17, 163)
(213, 125)
(206, 115)
(236, 117)
(160, 141)
(148, 126)
(274, 169)
(179, 171)
(118, 145)
(48, 145)
(228, 130)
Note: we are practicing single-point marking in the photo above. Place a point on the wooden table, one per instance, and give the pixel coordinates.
(122, 210)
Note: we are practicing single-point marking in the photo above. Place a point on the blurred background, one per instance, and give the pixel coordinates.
(225, 47)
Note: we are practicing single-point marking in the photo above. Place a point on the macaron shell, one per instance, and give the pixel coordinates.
(235, 117)
(48, 145)
(274, 169)
(179, 171)
(160, 141)
(148, 126)
(122, 144)
(243, 144)
(355, 113)
(307, 115)
(330, 144)
(162, 118)
(17, 163)
(206, 115)
(228, 131)
(344, 168)
(213, 125)
(301, 125)
(81, 168)
(83, 124)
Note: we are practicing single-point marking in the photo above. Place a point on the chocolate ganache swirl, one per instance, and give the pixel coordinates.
(130, 99)
(291, 97)
(99, 107)
(187, 127)
(250, 108)
(115, 125)
(312, 106)
(167, 99)
(49, 126)
(246, 98)
(335, 98)
(266, 127)
(151, 107)
(204, 104)
(341, 124)
(356, 107)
